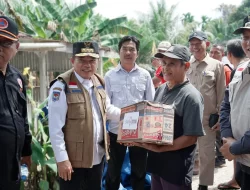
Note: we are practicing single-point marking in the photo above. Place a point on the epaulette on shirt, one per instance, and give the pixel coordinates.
(62, 81)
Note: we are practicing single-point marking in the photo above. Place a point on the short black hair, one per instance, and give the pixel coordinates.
(234, 47)
(129, 38)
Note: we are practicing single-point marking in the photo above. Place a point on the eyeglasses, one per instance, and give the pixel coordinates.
(6, 44)
(85, 62)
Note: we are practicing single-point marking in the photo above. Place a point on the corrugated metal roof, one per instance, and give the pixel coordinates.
(56, 61)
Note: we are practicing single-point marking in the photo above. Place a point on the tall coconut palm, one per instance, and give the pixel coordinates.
(204, 21)
(221, 31)
(155, 26)
(187, 18)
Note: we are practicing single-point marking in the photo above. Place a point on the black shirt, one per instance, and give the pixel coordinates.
(176, 167)
(15, 138)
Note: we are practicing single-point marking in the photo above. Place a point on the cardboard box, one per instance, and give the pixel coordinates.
(146, 122)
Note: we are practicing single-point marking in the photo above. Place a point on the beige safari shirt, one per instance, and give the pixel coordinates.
(209, 78)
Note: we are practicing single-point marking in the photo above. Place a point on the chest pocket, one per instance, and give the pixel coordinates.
(117, 92)
(208, 78)
(141, 87)
(138, 91)
(76, 106)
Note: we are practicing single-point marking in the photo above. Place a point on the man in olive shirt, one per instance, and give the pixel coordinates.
(207, 75)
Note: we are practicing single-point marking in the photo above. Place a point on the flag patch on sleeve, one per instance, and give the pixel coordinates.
(56, 96)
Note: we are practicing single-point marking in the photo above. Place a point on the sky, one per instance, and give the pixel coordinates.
(132, 8)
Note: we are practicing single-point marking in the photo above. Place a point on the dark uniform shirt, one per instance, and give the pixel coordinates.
(15, 138)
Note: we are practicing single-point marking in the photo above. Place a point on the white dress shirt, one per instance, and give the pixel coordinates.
(126, 88)
(57, 117)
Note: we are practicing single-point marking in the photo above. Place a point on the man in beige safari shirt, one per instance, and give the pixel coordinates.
(207, 75)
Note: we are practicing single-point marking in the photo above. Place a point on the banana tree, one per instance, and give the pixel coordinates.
(57, 20)
(43, 172)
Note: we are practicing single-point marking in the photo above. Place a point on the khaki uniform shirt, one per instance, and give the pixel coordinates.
(209, 78)
(239, 97)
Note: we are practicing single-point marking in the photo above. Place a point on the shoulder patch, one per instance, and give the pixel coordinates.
(20, 82)
(56, 96)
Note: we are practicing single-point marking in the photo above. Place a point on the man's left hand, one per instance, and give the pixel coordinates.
(26, 160)
(227, 142)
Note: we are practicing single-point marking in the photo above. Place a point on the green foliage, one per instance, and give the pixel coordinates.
(221, 31)
(43, 172)
(44, 185)
(109, 63)
(158, 25)
(60, 21)
(204, 22)
(240, 13)
(187, 18)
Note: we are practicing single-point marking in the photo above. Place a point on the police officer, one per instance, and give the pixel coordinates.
(77, 117)
(15, 139)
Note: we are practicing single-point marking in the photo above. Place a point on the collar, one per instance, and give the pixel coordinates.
(205, 60)
(86, 82)
(119, 67)
(177, 86)
(11, 70)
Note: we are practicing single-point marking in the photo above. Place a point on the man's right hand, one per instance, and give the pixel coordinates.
(65, 170)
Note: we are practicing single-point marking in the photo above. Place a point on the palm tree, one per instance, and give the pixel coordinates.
(187, 18)
(220, 30)
(156, 26)
(204, 21)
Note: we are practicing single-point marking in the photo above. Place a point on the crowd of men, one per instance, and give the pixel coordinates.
(211, 101)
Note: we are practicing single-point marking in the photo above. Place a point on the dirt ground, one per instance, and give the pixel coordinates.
(221, 175)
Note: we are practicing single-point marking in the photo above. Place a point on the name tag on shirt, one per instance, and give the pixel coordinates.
(76, 90)
(99, 87)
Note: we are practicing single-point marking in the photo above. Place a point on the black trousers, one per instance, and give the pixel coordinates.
(242, 176)
(138, 160)
(84, 179)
